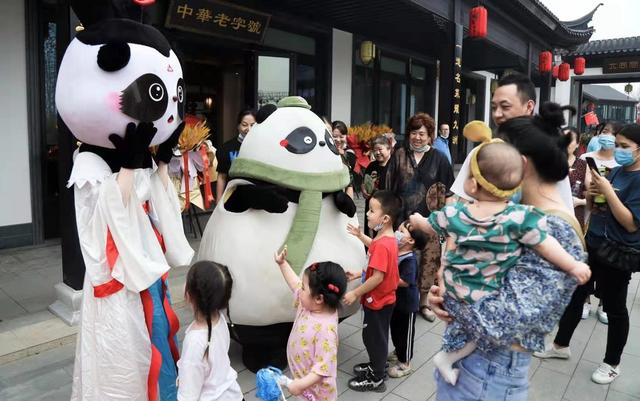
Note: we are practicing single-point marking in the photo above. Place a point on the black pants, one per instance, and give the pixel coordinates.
(403, 330)
(613, 286)
(375, 336)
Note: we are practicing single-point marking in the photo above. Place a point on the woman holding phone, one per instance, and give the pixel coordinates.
(613, 243)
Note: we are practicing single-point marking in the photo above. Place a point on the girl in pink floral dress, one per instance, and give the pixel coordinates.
(312, 350)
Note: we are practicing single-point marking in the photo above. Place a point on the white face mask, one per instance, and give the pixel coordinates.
(399, 237)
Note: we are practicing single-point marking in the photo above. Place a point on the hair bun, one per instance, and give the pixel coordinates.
(551, 116)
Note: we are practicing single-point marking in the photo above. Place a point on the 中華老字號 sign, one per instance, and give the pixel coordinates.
(217, 18)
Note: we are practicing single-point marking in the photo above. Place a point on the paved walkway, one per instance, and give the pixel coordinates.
(27, 277)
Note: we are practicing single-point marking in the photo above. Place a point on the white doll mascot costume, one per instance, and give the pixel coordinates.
(286, 188)
(120, 91)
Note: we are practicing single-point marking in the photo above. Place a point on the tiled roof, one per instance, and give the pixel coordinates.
(605, 92)
(618, 46)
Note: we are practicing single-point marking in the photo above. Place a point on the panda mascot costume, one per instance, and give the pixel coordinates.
(119, 91)
(286, 188)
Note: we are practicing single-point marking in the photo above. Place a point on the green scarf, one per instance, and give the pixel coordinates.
(311, 186)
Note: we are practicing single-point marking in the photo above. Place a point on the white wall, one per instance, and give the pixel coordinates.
(341, 76)
(15, 202)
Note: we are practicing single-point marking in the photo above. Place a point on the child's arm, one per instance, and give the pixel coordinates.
(297, 386)
(421, 223)
(355, 231)
(285, 268)
(371, 283)
(402, 283)
(551, 250)
(192, 372)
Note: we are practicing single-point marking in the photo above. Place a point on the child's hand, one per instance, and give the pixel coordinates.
(349, 298)
(352, 276)
(581, 272)
(354, 230)
(417, 222)
(281, 257)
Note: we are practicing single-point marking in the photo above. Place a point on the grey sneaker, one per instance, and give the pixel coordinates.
(553, 352)
(392, 358)
(400, 370)
(602, 315)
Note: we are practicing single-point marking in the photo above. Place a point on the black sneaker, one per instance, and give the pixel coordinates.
(361, 368)
(367, 381)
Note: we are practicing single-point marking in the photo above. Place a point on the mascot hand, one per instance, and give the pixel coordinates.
(344, 203)
(133, 149)
(259, 197)
(165, 149)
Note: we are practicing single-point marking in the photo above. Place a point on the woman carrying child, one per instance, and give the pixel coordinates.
(312, 349)
(510, 323)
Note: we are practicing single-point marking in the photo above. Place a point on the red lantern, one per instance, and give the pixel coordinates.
(578, 65)
(544, 62)
(555, 71)
(478, 22)
(564, 71)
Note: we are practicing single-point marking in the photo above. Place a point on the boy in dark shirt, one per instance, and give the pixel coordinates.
(403, 319)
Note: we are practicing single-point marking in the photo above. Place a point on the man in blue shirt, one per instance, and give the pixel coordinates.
(442, 141)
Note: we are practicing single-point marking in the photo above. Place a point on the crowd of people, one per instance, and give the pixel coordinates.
(498, 253)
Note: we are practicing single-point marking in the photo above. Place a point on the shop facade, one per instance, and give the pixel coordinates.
(360, 61)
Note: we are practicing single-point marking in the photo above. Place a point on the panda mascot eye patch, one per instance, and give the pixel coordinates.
(182, 95)
(300, 141)
(145, 99)
(328, 138)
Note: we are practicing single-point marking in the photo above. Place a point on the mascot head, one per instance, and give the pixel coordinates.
(290, 146)
(118, 71)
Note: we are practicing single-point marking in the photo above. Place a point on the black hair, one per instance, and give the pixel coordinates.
(631, 132)
(340, 126)
(329, 280)
(209, 289)
(244, 113)
(420, 239)
(539, 139)
(391, 205)
(616, 126)
(526, 89)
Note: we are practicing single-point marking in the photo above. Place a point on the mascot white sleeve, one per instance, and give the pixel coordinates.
(285, 188)
(119, 91)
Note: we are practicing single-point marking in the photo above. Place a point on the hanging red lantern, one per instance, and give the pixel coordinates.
(564, 71)
(555, 71)
(545, 62)
(578, 65)
(478, 22)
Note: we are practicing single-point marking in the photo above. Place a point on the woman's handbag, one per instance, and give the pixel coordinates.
(614, 255)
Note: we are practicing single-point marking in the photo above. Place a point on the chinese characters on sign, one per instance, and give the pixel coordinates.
(457, 81)
(218, 18)
(619, 65)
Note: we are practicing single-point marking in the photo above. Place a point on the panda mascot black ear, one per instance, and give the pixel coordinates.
(265, 111)
(114, 55)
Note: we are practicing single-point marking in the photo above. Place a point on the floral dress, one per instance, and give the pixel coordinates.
(533, 296)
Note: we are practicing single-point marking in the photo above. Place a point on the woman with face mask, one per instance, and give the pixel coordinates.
(617, 227)
(606, 142)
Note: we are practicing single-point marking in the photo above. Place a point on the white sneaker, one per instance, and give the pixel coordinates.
(602, 315)
(586, 310)
(605, 374)
(553, 352)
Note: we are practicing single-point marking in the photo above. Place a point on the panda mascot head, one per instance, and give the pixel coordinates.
(117, 71)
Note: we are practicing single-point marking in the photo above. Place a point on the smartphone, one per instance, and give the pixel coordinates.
(592, 164)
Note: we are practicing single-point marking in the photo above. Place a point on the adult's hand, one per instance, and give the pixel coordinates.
(435, 300)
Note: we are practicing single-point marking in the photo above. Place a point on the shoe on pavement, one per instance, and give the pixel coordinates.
(365, 367)
(586, 310)
(427, 314)
(367, 381)
(392, 358)
(553, 352)
(400, 370)
(602, 315)
(605, 374)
